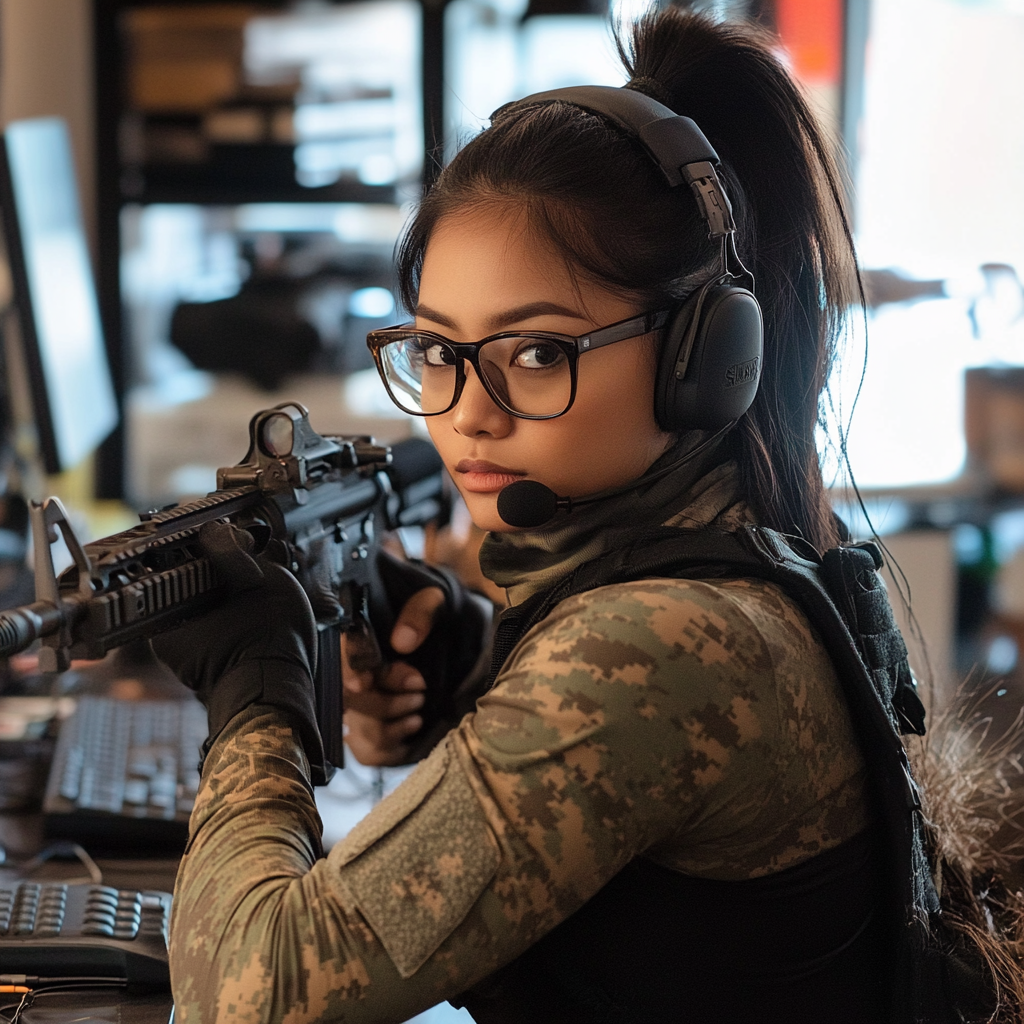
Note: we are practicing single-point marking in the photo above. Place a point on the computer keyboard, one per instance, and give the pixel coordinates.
(130, 762)
(50, 929)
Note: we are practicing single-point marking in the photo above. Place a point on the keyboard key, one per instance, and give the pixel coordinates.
(71, 776)
(136, 791)
(143, 767)
(98, 928)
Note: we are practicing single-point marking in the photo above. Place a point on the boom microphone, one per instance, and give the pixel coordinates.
(528, 504)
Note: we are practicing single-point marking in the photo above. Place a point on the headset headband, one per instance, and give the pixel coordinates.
(673, 142)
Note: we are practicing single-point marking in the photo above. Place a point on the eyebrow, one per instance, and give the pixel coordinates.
(507, 317)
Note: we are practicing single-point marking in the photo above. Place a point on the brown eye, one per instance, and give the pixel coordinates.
(433, 353)
(538, 355)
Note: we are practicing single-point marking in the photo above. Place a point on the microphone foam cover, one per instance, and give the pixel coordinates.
(527, 504)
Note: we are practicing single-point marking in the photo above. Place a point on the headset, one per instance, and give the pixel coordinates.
(710, 360)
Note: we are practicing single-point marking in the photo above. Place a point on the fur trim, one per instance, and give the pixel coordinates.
(972, 786)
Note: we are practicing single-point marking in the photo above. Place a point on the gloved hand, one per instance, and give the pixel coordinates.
(258, 647)
(395, 713)
(384, 708)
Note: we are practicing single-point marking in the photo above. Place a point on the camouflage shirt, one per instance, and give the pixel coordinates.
(698, 724)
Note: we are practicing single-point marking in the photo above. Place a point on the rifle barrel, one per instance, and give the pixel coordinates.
(20, 627)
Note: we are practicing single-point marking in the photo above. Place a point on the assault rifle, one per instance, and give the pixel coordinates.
(316, 505)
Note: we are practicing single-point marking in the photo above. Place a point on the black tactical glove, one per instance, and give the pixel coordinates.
(258, 647)
(456, 646)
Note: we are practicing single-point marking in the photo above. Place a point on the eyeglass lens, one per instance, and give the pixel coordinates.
(527, 375)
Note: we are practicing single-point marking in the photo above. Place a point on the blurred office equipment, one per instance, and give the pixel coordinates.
(125, 774)
(85, 930)
(994, 425)
(62, 344)
(16, 582)
(254, 161)
(239, 98)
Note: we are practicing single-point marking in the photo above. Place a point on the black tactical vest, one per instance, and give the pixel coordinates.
(853, 934)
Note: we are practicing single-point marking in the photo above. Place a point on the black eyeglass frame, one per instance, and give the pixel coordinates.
(573, 347)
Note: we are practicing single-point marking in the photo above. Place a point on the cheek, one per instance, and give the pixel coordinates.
(619, 387)
(610, 435)
(439, 432)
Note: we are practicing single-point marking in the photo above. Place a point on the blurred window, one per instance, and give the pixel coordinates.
(493, 56)
(940, 167)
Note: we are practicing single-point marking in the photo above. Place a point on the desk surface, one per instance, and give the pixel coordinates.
(103, 1006)
(22, 837)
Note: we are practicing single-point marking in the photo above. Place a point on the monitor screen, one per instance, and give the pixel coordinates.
(72, 393)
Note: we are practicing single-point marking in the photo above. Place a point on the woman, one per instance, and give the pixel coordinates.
(659, 810)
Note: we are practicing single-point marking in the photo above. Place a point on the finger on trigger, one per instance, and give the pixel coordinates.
(416, 618)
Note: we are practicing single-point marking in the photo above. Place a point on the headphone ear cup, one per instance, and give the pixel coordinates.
(674, 347)
(717, 383)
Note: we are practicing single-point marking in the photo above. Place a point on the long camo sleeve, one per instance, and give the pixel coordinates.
(696, 724)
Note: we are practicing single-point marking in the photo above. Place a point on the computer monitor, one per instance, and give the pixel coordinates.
(55, 298)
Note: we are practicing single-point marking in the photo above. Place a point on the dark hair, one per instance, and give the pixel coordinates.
(604, 205)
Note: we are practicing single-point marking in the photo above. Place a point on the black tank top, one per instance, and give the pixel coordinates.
(807, 944)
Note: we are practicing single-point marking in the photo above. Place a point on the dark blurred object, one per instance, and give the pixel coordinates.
(129, 672)
(994, 424)
(28, 726)
(306, 306)
(17, 585)
(13, 528)
(259, 332)
(23, 769)
(539, 8)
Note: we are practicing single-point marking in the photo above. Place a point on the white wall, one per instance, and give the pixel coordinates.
(45, 70)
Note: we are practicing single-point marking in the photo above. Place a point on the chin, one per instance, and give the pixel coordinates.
(483, 510)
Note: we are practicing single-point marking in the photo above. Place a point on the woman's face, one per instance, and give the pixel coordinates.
(485, 272)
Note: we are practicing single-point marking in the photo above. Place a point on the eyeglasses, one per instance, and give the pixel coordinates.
(529, 374)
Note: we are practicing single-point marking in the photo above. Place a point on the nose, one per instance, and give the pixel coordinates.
(476, 414)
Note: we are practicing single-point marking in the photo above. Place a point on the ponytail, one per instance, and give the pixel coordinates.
(604, 206)
(794, 236)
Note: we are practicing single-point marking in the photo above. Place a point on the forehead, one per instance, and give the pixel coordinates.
(491, 252)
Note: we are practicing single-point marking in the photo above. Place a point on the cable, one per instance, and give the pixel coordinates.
(73, 985)
(93, 979)
(63, 849)
(18, 1007)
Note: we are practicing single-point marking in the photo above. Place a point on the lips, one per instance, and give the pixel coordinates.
(482, 477)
